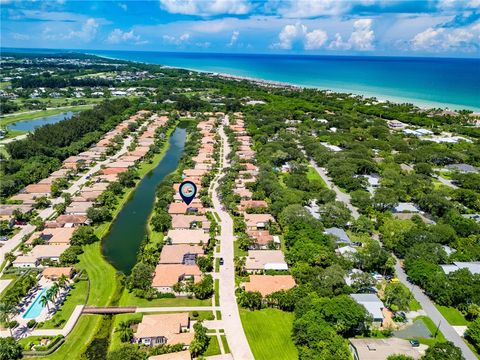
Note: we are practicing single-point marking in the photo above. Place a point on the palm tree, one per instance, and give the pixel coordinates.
(125, 331)
(6, 311)
(53, 291)
(63, 281)
(44, 301)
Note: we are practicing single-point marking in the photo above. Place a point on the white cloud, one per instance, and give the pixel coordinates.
(445, 39)
(21, 37)
(123, 6)
(299, 33)
(315, 39)
(458, 4)
(88, 31)
(118, 36)
(312, 8)
(234, 38)
(206, 7)
(176, 40)
(361, 39)
(86, 34)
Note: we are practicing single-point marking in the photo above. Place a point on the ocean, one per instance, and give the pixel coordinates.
(426, 82)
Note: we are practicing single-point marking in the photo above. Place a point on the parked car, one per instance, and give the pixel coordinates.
(414, 343)
(3, 238)
(221, 261)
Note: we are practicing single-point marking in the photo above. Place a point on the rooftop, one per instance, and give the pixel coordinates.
(380, 349)
(267, 284)
(265, 260)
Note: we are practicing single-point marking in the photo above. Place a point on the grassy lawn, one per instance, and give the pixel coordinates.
(237, 251)
(213, 347)
(225, 344)
(414, 304)
(115, 341)
(312, 174)
(269, 334)
(13, 133)
(77, 341)
(453, 316)
(129, 299)
(217, 292)
(76, 296)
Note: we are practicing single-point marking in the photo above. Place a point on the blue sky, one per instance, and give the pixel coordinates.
(366, 27)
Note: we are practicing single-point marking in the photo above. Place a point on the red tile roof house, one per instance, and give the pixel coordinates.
(243, 192)
(251, 204)
(25, 198)
(167, 275)
(51, 252)
(78, 208)
(263, 239)
(181, 222)
(71, 220)
(121, 164)
(258, 221)
(113, 170)
(43, 189)
(259, 260)
(160, 329)
(182, 208)
(268, 284)
(194, 172)
(187, 236)
(180, 254)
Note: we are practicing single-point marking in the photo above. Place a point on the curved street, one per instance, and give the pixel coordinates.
(427, 305)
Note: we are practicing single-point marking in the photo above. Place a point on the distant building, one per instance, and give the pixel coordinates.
(463, 168)
(372, 303)
(340, 235)
(473, 267)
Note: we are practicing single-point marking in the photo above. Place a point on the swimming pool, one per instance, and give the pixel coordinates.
(36, 307)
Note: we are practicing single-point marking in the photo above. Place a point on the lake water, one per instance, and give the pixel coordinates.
(30, 125)
(121, 245)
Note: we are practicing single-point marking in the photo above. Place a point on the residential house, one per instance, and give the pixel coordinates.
(339, 234)
(259, 260)
(381, 349)
(258, 221)
(161, 329)
(184, 222)
(268, 284)
(187, 236)
(167, 275)
(373, 304)
(180, 254)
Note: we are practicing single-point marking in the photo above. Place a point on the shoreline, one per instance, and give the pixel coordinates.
(381, 98)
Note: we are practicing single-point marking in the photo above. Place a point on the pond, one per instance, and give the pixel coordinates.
(30, 125)
(121, 245)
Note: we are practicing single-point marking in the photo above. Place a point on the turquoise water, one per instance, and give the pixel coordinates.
(30, 125)
(437, 82)
(36, 307)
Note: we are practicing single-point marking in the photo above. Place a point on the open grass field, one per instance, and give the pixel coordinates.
(225, 344)
(129, 299)
(269, 334)
(76, 296)
(432, 327)
(312, 174)
(453, 316)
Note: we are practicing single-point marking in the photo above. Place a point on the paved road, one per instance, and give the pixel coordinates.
(341, 196)
(174, 309)
(445, 182)
(427, 304)
(48, 212)
(447, 330)
(237, 340)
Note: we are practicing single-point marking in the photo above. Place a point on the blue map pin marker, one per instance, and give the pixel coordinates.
(188, 190)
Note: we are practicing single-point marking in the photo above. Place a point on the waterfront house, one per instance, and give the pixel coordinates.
(54, 273)
(78, 207)
(167, 275)
(184, 222)
(187, 236)
(268, 284)
(180, 254)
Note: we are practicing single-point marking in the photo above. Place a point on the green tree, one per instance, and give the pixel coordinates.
(473, 333)
(250, 299)
(141, 276)
(400, 357)
(128, 352)
(7, 310)
(443, 351)
(397, 296)
(10, 349)
(204, 289)
(84, 235)
(125, 331)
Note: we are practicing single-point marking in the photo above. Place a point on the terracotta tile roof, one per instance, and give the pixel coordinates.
(252, 220)
(184, 221)
(175, 254)
(181, 355)
(113, 170)
(169, 274)
(37, 188)
(187, 236)
(56, 272)
(261, 237)
(48, 251)
(247, 204)
(265, 259)
(267, 284)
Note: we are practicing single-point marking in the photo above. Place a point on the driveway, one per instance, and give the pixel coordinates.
(237, 340)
